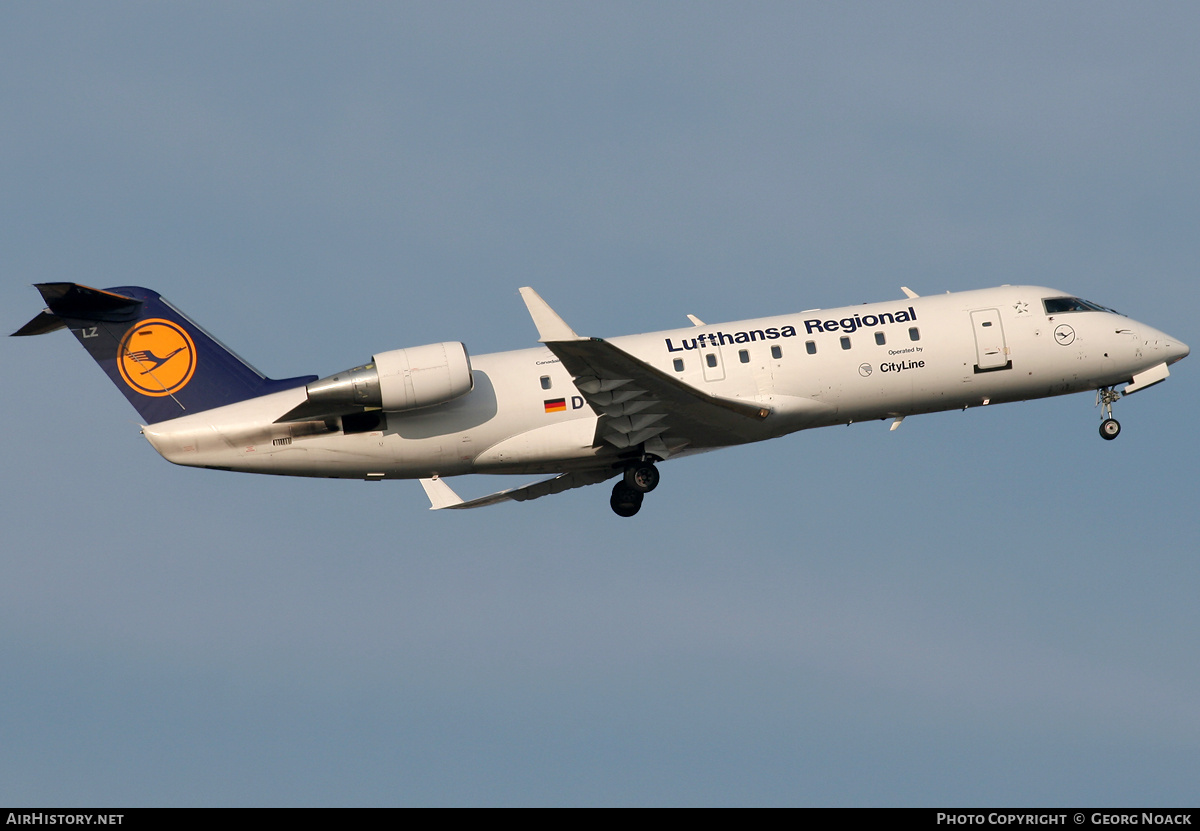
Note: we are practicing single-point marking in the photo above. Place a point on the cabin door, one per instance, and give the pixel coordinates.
(991, 350)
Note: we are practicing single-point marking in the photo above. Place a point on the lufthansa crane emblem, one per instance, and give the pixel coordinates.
(156, 357)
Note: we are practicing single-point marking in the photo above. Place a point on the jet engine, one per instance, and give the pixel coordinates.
(395, 381)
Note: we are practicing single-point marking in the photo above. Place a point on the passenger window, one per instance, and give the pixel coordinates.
(810, 347)
(776, 352)
(743, 356)
(710, 359)
(545, 382)
(914, 333)
(679, 364)
(880, 340)
(845, 342)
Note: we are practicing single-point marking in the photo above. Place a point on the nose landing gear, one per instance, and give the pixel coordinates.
(1110, 428)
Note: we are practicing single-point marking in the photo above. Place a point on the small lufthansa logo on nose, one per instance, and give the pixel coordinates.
(1064, 335)
(156, 357)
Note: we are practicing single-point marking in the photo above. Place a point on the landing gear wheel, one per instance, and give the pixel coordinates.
(642, 477)
(1110, 428)
(625, 500)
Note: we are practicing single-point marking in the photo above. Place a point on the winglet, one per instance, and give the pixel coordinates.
(550, 326)
(909, 293)
(440, 495)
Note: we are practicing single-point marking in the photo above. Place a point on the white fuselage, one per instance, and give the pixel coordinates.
(811, 369)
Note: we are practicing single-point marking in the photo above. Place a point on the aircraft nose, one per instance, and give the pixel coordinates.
(1163, 346)
(1173, 348)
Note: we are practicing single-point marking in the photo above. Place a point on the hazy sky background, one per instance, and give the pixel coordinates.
(993, 607)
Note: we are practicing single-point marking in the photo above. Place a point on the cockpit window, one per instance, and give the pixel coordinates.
(1061, 305)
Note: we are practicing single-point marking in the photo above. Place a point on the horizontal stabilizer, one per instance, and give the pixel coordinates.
(45, 322)
(71, 301)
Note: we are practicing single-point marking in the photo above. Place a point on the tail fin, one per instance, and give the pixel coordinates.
(165, 364)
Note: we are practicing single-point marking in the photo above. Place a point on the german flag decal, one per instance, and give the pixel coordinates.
(556, 405)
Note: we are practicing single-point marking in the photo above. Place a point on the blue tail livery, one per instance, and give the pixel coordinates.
(165, 364)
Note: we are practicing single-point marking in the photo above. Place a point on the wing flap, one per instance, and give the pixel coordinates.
(599, 359)
(639, 402)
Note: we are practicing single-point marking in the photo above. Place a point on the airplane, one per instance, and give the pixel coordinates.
(590, 409)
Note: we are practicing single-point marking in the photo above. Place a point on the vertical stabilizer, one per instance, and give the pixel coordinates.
(165, 364)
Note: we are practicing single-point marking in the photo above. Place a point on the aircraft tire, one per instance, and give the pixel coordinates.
(1110, 428)
(642, 477)
(625, 500)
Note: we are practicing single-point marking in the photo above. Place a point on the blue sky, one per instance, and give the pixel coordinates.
(983, 608)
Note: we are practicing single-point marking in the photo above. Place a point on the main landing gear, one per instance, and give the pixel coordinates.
(1110, 428)
(640, 478)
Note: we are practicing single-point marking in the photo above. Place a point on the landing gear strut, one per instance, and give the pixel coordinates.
(1110, 428)
(640, 478)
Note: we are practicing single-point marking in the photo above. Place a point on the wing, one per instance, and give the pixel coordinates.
(639, 403)
(441, 496)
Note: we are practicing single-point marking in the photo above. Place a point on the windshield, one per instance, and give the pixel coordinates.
(1060, 305)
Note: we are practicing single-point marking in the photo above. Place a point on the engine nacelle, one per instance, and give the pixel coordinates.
(403, 379)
